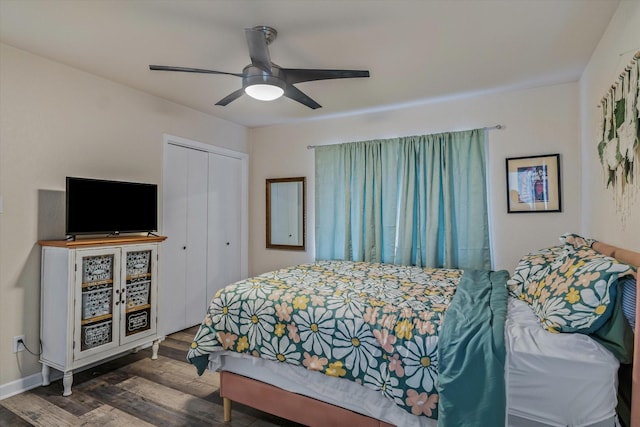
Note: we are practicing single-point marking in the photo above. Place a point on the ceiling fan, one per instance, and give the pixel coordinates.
(266, 81)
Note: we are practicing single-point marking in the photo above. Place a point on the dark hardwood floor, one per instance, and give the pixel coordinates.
(134, 391)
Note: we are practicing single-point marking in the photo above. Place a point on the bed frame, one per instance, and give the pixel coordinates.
(632, 258)
(294, 407)
(313, 412)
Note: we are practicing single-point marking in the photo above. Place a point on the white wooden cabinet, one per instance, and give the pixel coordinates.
(99, 298)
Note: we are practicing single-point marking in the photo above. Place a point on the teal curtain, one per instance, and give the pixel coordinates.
(418, 200)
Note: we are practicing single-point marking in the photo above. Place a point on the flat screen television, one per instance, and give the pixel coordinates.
(95, 206)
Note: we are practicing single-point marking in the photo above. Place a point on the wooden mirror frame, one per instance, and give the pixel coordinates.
(302, 213)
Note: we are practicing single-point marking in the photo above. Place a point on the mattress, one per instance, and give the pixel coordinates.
(339, 392)
(545, 368)
(542, 370)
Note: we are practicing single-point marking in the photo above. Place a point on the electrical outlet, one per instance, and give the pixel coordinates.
(18, 343)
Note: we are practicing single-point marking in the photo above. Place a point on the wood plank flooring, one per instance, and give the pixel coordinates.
(135, 391)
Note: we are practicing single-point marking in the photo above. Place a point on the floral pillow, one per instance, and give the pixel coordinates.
(536, 264)
(575, 240)
(533, 266)
(577, 292)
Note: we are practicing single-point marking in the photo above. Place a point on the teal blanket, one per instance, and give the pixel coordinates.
(472, 353)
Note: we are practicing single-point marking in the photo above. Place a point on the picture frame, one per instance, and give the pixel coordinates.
(533, 184)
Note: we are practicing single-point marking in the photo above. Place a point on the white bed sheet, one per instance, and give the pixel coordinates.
(339, 392)
(542, 370)
(545, 368)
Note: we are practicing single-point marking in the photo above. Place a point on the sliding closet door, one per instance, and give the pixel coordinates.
(183, 294)
(225, 208)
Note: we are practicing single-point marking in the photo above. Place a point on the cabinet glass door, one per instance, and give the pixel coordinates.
(97, 276)
(139, 301)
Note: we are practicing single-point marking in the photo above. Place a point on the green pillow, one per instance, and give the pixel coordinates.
(616, 334)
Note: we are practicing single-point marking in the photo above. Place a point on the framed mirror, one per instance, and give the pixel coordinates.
(286, 213)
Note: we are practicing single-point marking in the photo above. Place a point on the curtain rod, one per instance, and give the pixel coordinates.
(635, 58)
(498, 127)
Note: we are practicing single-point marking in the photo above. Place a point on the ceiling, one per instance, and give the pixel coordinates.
(417, 51)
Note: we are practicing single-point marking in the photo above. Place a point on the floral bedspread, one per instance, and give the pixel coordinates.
(376, 324)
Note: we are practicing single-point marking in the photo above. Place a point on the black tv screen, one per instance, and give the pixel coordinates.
(95, 206)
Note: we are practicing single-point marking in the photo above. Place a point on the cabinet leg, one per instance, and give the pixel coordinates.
(67, 381)
(45, 374)
(154, 349)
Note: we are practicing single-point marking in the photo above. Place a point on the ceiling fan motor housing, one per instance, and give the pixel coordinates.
(255, 76)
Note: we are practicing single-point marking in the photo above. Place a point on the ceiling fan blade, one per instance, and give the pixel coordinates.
(258, 49)
(189, 70)
(290, 91)
(298, 75)
(231, 97)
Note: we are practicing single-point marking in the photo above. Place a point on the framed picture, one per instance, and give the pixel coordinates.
(533, 184)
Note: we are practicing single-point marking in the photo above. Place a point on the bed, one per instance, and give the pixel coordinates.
(359, 344)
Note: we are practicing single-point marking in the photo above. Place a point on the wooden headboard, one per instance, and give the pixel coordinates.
(631, 258)
(624, 255)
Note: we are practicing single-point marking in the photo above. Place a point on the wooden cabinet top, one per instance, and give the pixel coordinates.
(102, 241)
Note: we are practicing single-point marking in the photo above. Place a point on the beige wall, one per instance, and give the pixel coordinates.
(614, 52)
(537, 121)
(57, 121)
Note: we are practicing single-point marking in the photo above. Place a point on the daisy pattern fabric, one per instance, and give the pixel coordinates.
(376, 324)
(577, 291)
(534, 266)
(537, 264)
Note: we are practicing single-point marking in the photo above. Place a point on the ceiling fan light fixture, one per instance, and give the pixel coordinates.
(262, 86)
(264, 92)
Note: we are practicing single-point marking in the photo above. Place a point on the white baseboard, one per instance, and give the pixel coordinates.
(32, 381)
(27, 383)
